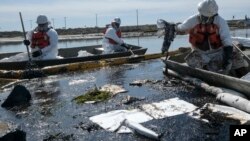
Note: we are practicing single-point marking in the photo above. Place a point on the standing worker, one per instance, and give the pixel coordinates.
(42, 40)
(211, 41)
(112, 41)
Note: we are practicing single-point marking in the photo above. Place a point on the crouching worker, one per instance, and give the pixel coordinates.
(42, 40)
(112, 41)
(211, 42)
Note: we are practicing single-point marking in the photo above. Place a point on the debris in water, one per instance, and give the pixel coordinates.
(168, 108)
(142, 82)
(113, 120)
(130, 99)
(221, 113)
(139, 129)
(60, 136)
(89, 126)
(93, 95)
(97, 95)
(113, 89)
(138, 82)
(19, 96)
(75, 82)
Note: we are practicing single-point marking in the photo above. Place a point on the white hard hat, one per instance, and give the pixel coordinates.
(42, 19)
(208, 8)
(117, 20)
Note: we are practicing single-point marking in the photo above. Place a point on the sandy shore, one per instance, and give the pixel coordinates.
(78, 37)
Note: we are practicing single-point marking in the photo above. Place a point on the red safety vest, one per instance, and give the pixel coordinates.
(39, 39)
(202, 32)
(118, 33)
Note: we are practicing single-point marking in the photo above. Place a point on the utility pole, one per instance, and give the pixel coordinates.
(137, 17)
(30, 24)
(65, 22)
(53, 23)
(137, 23)
(96, 20)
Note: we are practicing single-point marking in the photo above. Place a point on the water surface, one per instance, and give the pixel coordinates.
(153, 43)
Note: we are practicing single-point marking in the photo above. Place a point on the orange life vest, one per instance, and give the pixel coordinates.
(39, 39)
(119, 34)
(202, 33)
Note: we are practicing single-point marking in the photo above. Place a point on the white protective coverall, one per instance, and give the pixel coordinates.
(199, 58)
(50, 51)
(112, 47)
(211, 58)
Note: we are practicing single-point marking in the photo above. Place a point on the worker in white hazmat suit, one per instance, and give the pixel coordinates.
(42, 40)
(211, 41)
(112, 41)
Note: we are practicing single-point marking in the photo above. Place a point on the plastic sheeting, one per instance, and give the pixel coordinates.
(168, 108)
(113, 120)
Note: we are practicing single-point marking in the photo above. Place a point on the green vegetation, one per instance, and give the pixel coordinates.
(93, 95)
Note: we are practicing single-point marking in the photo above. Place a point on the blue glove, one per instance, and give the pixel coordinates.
(169, 34)
(26, 42)
(37, 53)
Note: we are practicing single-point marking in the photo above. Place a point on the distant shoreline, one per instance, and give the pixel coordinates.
(94, 36)
(91, 33)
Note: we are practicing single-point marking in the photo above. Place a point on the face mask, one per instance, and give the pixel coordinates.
(206, 20)
(117, 25)
(43, 27)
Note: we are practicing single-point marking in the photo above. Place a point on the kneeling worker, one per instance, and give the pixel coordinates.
(211, 42)
(42, 40)
(112, 41)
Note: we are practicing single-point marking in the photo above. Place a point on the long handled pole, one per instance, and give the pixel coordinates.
(132, 53)
(130, 50)
(24, 34)
(236, 46)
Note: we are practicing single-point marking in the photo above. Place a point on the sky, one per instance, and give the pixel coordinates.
(91, 13)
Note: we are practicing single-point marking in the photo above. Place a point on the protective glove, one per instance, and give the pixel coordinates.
(227, 57)
(125, 46)
(241, 46)
(37, 53)
(26, 42)
(170, 32)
